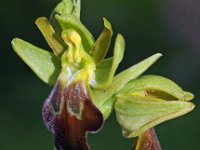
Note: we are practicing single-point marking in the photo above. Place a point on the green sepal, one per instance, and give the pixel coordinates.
(43, 63)
(102, 44)
(69, 21)
(53, 40)
(137, 114)
(68, 7)
(156, 86)
(101, 96)
(105, 71)
(65, 7)
(77, 8)
(107, 108)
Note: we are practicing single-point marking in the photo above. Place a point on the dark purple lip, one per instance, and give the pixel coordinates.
(69, 114)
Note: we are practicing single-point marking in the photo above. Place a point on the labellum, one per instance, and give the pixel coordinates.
(69, 114)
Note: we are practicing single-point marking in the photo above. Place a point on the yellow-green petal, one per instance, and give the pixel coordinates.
(102, 44)
(54, 41)
(105, 71)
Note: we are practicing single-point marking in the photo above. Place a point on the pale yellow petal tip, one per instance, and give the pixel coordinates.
(155, 57)
(13, 41)
(107, 24)
(191, 107)
(158, 54)
(188, 96)
(38, 20)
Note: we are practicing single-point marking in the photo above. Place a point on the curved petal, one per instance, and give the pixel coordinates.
(105, 71)
(53, 40)
(102, 44)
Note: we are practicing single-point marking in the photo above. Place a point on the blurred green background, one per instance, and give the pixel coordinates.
(149, 26)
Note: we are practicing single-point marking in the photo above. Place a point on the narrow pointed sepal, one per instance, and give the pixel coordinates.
(148, 141)
(69, 114)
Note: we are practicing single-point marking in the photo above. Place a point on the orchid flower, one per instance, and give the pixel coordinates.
(86, 88)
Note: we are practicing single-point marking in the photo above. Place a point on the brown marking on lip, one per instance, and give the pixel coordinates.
(75, 118)
(148, 141)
